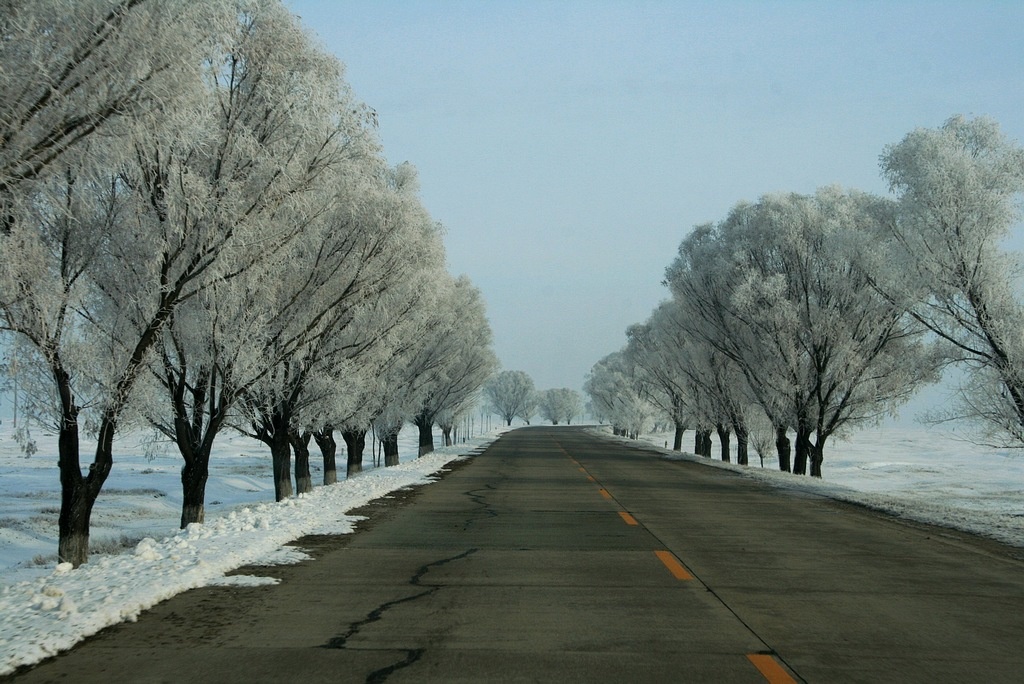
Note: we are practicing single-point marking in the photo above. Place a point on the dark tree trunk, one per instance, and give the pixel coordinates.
(194, 475)
(329, 450)
(195, 446)
(390, 444)
(742, 438)
(426, 430)
(281, 459)
(355, 444)
(78, 493)
(817, 456)
(803, 449)
(782, 446)
(723, 440)
(702, 443)
(300, 445)
(677, 439)
(75, 504)
(447, 432)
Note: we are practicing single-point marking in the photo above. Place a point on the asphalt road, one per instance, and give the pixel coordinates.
(557, 556)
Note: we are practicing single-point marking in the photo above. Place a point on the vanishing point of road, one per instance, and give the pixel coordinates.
(559, 556)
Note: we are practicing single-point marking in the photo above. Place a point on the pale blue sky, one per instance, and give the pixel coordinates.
(568, 147)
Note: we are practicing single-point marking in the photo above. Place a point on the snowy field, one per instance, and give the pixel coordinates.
(921, 474)
(924, 474)
(46, 608)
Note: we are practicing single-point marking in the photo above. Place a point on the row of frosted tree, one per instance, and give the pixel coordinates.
(513, 394)
(199, 231)
(797, 317)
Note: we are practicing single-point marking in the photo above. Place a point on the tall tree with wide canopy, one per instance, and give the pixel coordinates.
(839, 353)
(456, 361)
(82, 222)
(284, 129)
(658, 348)
(616, 395)
(72, 69)
(508, 393)
(959, 188)
(559, 405)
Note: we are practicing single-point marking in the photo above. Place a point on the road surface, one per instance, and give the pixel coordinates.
(559, 556)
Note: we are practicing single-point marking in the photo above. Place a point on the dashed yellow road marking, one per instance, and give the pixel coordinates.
(630, 520)
(673, 565)
(604, 493)
(770, 668)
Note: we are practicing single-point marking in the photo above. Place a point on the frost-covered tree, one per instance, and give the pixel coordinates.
(394, 324)
(702, 280)
(559, 405)
(456, 360)
(796, 310)
(95, 258)
(351, 298)
(280, 140)
(71, 70)
(616, 396)
(658, 349)
(529, 408)
(509, 393)
(959, 187)
(760, 430)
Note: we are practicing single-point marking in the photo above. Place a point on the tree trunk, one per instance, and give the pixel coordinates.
(447, 432)
(193, 444)
(742, 439)
(390, 444)
(723, 440)
(300, 445)
(78, 493)
(782, 446)
(329, 450)
(355, 444)
(705, 443)
(426, 429)
(75, 511)
(817, 456)
(677, 439)
(803, 449)
(194, 475)
(281, 458)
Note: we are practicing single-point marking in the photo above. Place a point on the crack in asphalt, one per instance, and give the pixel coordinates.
(413, 654)
(478, 499)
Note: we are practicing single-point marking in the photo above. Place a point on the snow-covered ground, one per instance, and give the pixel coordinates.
(46, 607)
(914, 472)
(925, 474)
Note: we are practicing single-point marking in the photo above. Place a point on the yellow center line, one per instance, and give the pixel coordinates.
(590, 478)
(770, 668)
(673, 565)
(630, 520)
(604, 493)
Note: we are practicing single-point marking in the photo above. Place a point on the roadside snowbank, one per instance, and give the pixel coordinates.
(48, 608)
(916, 473)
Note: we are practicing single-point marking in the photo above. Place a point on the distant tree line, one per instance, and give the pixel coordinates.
(797, 317)
(512, 394)
(199, 231)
